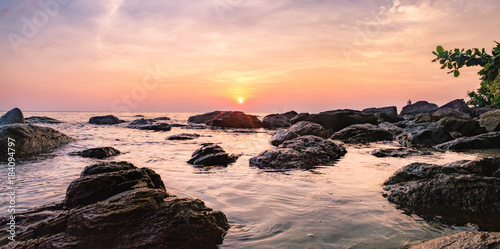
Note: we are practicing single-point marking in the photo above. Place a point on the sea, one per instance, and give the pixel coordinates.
(331, 206)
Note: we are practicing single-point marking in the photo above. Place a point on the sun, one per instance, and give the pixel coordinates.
(241, 100)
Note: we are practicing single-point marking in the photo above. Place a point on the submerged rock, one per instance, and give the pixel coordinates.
(419, 107)
(399, 152)
(301, 128)
(105, 120)
(463, 240)
(14, 116)
(460, 192)
(42, 120)
(483, 141)
(362, 133)
(30, 140)
(490, 120)
(211, 155)
(183, 136)
(98, 153)
(425, 134)
(304, 152)
(161, 118)
(117, 205)
(155, 127)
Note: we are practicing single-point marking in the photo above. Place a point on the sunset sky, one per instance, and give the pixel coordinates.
(203, 55)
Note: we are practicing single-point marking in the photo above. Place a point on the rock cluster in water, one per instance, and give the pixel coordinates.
(98, 153)
(211, 155)
(227, 119)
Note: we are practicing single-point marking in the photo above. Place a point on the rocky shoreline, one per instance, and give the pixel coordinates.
(458, 193)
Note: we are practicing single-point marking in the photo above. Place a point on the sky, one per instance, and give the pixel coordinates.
(204, 55)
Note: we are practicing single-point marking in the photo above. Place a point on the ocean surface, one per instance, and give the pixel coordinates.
(334, 206)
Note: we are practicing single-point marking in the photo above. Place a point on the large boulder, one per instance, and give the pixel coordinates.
(14, 116)
(290, 114)
(204, 118)
(304, 152)
(460, 192)
(390, 127)
(489, 140)
(419, 107)
(235, 120)
(105, 120)
(466, 127)
(457, 105)
(117, 205)
(384, 114)
(424, 135)
(42, 120)
(211, 155)
(463, 240)
(99, 153)
(272, 121)
(340, 119)
(490, 120)
(30, 140)
(478, 111)
(299, 117)
(362, 133)
(301, 128)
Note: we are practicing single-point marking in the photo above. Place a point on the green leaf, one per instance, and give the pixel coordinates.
(457, 73)
(434, 53)
(439, 50)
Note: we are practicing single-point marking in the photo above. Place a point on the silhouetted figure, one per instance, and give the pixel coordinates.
(409, 102)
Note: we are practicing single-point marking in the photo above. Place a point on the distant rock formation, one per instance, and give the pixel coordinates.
(105, 120)
(14, 116)
(227, 119)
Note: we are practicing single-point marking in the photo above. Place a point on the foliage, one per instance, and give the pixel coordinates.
(489, 91)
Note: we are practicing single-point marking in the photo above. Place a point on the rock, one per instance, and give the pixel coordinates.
(423, 118)
(388, 114)
(466, 127)
(478, 111)
(204, 118)
(30, 140)
(14, 116)
(299, 117)
(457, 105)
(161, 119)
(425, 134)
(419, 107)
(235, 120)
(303, 152)
(105, 120)
(42, 120)
(460, 192)
(340, 119)
(211, 155)
(483, 141)
(362, 133)
(463, 240)
(117, 205)
(156, 127)
(399, 152)
(272, 121)
(490, 120)
(301, 128)
(390, 127)
(99, 153)
(183, 136)
(281, 136)
(443, 113)
(141, 121)
(290, 114)
(139, 116)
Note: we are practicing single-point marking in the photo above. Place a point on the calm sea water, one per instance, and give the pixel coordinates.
(337, 206)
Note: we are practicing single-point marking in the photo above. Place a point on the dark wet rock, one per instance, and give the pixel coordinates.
(300, 117)
(290, 114)
(340, 119)
(490, 120)
(390, 127)
(14, 116)
(272, 121)
(105, 120)
(301, 128)
(42, 120)
(204, 118)
(458, 105)
(362, 133)
(156, 127)
(211, 155)
(141, 121)
(304, 152)
(30, 140)
(117, 205)
(399, 152)
(489, 140)
(235, 120)
(384, 114)
(99, 153)
(423, 118)
(161, 118)
(460, 192)
(478, 111)
(183, 136)
(466, 127)
(425, 134)
(139, 116)
(419, 107)
(450, 113)
(463, 240)
(178, 125)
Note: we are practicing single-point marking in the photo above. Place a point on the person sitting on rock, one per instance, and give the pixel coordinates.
(409, 102)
